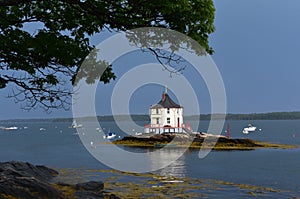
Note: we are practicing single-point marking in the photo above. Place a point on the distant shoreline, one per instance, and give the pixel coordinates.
(204, 117)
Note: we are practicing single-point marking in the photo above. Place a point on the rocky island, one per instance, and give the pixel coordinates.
(167, 129)
(196, 141)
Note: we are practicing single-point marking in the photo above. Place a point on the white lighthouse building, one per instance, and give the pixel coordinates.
(166, 117)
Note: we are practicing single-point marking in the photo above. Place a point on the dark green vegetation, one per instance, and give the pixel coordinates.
(146, 118)
(230, 116)
(42, 63)
(265, 116)
(251, 116)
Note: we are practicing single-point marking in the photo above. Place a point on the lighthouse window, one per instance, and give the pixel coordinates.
(157, 120)
(157, 111)
(168, 120)
(168, 110)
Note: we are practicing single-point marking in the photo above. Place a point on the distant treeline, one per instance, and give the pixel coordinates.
(265, 116)
(230, 116)
(251, 116)
(108, 118)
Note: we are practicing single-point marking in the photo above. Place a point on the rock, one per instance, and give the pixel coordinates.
(86, 190)
(92, 195)
(111, 196)
(24, 180)
(25, 169)
(27, 187)
(88, 195)
(238, 142)
(162, 138)
(92, 190)
(90, 186)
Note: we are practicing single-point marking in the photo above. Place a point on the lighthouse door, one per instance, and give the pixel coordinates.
(178, 122)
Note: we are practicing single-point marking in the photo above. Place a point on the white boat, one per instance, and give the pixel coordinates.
(249, 128)
(10, 128)
(110, 135)
(75, 125)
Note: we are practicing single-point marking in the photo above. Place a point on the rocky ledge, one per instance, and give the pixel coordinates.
(196, 141)
(24, 180)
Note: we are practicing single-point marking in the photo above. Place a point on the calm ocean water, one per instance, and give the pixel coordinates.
(59, 146)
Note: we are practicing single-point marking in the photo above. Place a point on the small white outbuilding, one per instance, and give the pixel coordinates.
(166, 117)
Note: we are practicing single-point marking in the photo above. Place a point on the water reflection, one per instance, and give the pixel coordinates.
(176, 169)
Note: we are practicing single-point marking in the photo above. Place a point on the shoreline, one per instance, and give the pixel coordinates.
(25, 180)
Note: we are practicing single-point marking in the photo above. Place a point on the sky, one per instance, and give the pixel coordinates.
(257, 51)
(256, 46)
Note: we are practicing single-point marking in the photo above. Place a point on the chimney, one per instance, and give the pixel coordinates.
(163, 97)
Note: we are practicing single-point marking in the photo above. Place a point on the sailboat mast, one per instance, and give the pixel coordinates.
(228, 132)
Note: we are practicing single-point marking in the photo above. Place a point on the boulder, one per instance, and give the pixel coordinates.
(25, 169)
(93, 186)
(24, 180)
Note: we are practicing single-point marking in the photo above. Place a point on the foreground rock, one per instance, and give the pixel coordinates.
(24, 180)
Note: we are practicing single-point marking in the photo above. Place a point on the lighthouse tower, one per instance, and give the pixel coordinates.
(166, 117)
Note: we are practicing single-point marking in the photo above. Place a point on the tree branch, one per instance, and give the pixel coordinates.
(13, 2)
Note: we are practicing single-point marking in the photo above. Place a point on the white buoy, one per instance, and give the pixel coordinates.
(92, 145)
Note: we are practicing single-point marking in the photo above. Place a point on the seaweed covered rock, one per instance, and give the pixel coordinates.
(90, 186)
(238, 142)
(196, 140)
(24, 180)
(154, 138)
(26, 169)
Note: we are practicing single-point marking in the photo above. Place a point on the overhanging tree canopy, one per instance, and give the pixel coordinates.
(39, 63)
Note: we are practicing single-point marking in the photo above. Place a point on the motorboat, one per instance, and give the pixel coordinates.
(9, 128)
(249, 128)
(110, 135)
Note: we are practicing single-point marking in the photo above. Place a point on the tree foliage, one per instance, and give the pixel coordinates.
(41, 63)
